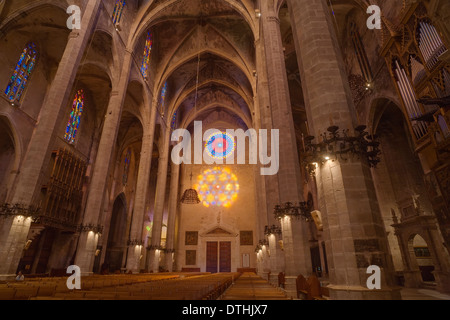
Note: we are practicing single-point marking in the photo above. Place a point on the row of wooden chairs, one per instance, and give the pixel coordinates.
(51, 287)
(208, 287)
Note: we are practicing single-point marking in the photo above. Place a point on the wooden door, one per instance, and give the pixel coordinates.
(211, 256)
(225, 257)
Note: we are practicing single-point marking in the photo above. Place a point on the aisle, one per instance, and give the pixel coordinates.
(252, 287)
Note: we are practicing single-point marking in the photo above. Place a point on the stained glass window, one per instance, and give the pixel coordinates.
(75, 117)
(220, 145)
(162, 101)
(126, 167)
(118, 10)
(217, 187)
(147, 55)
(173, 124)
(22, 73)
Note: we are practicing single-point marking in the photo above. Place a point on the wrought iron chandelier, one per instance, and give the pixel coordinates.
(13, 210)
(190, 196)
(97, 229)
(340, 143)
(260, 245)
(275, 230)
(302, 210)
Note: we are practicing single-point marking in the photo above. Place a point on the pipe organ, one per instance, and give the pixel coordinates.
(415, 54)
(64, 192)
(410, 100)
(430, 44)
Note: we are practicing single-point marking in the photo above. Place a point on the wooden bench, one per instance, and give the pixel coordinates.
(190, 270)
(247, 270)
(315, 290)
(282, 280)
(302, 287)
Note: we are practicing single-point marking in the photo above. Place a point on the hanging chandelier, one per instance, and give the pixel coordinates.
(340, 143)
(190, 196)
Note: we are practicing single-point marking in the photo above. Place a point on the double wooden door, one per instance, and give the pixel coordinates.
(218, 256)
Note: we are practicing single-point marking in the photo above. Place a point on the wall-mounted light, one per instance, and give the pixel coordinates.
(258, 13)
(336, 142)
(301, 210)
(273, 230)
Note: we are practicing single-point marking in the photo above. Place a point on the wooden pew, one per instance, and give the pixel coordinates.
(315, 290)
(282, 280)
(302, 287)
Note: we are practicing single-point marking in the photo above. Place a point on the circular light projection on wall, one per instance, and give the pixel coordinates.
(220, 145)
(217, 187)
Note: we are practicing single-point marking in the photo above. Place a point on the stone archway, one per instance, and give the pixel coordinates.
(399, 177)
(426, 227)
(116, 245)
(421, 257)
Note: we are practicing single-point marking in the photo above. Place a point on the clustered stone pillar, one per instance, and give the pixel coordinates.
(268, 192)
(14, 231)
(353, 228)
(173, 210)
(295, 233)
(154, 252)
(94, 206)
(140, 202)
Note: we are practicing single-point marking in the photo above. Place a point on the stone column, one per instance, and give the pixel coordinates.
(154, 253)
(267, 186)
(140, 200)
(277, 258)
(353, 228)
(173, 208)
(94, 206)
(14, 234)
(295, 234)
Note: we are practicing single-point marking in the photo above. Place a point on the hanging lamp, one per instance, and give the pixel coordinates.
(190, 196)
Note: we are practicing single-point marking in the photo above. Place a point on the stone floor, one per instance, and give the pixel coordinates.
(423, 294)
(252, 287)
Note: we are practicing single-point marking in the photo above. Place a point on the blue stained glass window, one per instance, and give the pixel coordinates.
(147, 55)
(22, 73)
(126, 167)
(75, 117)
(173, 125)
(118, 11)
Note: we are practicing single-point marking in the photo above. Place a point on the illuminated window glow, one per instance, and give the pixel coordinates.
(118, 11)
(22, 73)
(173, 125)
(217, 187)
(147, 55)
(75, 117)
(162, 99)
(126, 167)
(220, 145)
